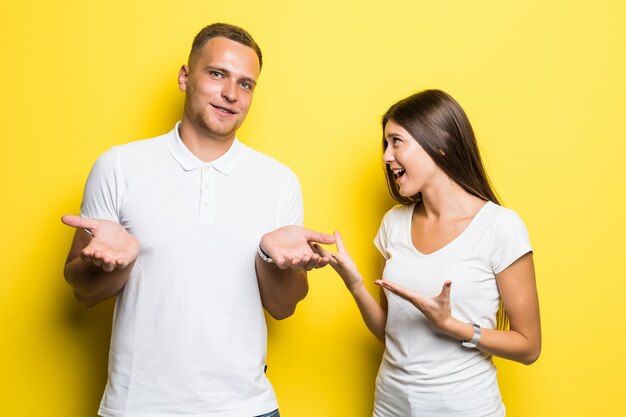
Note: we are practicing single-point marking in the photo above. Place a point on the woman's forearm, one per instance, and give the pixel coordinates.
(374, 316)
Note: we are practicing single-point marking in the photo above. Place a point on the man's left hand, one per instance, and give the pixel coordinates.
(290, 247)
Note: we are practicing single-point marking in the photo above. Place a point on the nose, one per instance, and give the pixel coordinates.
(230, 92)
(388, 155)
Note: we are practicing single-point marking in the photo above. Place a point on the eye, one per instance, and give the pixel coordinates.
(246, 85)
(216, 74)
(392, 141)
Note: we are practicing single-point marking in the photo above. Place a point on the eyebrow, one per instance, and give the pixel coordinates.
(228, 73)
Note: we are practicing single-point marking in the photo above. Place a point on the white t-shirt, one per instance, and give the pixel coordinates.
(425, 372)
(189, 333)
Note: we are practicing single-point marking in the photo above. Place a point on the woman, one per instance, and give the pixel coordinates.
(452, 258)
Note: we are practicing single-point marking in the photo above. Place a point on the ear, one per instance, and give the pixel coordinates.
(183, 76)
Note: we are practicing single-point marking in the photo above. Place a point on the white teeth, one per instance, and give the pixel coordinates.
(397, 172)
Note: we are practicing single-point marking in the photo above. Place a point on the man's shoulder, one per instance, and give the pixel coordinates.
(132, 154)
(143, 147)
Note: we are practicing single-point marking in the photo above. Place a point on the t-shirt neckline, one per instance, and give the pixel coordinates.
(453, 242)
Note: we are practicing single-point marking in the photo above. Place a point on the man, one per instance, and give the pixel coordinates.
(195, 233)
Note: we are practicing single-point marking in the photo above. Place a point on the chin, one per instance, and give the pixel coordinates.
(407, 194)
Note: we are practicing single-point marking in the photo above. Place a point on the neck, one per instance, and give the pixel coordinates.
(449, 200)
(203, 145)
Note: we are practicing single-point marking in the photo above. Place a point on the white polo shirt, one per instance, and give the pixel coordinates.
(189, 333)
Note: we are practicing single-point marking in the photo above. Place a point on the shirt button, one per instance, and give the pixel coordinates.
(205, 204)
(206, 186)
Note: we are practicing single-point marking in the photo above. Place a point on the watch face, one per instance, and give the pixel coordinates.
(469, 344)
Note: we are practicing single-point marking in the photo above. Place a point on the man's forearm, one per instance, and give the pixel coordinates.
(91, 284)
(281, 289)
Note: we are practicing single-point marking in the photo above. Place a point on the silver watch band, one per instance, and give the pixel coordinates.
(473, 342)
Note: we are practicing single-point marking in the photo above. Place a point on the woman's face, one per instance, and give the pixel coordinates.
(412, 167)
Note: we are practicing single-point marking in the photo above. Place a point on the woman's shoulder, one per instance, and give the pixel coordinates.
(503, 220)
(398, 211)
(396, 219)
(500, 213)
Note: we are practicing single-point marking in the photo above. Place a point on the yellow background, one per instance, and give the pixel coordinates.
(544, 84)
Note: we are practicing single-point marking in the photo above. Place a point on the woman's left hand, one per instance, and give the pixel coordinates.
(436, 309)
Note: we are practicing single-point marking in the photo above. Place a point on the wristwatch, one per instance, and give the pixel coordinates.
(473, 342)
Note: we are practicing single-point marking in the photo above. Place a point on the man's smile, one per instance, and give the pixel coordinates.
(224, 110)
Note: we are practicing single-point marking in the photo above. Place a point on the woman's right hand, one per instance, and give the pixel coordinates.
(342, 263)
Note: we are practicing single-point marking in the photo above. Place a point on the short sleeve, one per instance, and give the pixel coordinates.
(291, 207)
(102, 189)
(511, 241)
(381, 241)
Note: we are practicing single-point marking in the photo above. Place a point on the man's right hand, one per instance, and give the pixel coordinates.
(111, 247)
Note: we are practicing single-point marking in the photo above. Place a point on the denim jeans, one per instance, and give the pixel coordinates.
(274, 413)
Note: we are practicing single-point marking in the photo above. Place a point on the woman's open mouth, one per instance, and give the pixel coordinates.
(398, 172)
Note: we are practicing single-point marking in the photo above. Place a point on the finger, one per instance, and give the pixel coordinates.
(341, 247)
(341, 261)
(321, 265)
(289, 262)
(99, 258)
(282, 262)
(339, 242)
(85, 256)
(333, 260)
(312, 236)
(388, 285)
(121, 264)
(309, 261)
(89, 250)
(306, 257)
(397, 289)
(445, 290)
(320, 250)
(108, 266)
(299, 263)
(318, 263)
(80, 222)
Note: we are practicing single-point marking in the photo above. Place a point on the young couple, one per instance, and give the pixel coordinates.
(196, 233)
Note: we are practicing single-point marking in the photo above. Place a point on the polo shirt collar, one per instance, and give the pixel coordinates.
(224, 164)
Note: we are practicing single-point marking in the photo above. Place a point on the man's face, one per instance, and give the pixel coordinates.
(218, 84)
